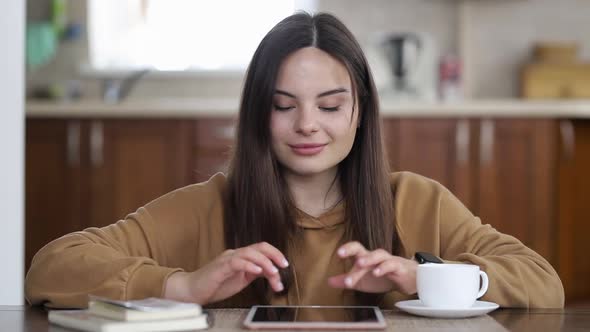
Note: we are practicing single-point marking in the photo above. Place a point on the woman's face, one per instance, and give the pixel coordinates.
(312, 122)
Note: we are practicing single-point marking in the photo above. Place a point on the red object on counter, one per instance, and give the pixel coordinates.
(450, 78)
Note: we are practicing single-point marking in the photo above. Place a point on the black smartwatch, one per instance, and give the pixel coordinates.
(424, 257)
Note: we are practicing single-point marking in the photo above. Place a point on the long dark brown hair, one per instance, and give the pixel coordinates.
(258, 201)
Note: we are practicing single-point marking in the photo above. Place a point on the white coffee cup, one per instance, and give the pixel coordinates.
(450, 286)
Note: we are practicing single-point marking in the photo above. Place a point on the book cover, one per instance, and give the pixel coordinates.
(147, 304)
(83, 320)
(113, 311)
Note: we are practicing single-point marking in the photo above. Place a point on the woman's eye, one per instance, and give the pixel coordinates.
(330, 109)
(282, 108)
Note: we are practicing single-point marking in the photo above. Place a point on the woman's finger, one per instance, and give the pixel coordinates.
(354, 276)
(400, 271)
(237, 264)
(365, 263)
(242, 258)
(252, 254)
(272, 253)
(371, 258)
(338, 281)
(351, 249)
(390, 266)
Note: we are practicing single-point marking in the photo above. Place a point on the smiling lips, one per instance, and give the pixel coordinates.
(307, 149)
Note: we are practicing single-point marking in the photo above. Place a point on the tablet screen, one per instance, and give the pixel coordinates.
(314, 314)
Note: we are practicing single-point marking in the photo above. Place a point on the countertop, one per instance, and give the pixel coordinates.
(194, 108)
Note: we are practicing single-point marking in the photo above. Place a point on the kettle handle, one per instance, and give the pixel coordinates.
(396, 44)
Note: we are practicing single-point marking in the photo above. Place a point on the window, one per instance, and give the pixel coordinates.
(174, 35)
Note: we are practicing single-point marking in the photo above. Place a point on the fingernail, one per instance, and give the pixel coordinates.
(280, 286)
(274, 270)
(361, 261)
(348, 281)
(341, 252)
(285, 263)
(377, 271)
(258, 269)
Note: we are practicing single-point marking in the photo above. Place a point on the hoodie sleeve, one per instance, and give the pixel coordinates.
(132, 258)
(519, 277)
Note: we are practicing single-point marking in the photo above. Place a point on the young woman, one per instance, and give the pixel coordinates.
(308, 213)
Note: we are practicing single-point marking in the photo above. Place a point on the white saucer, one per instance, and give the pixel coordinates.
(417, 308)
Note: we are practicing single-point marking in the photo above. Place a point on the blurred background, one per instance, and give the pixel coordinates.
(129, 99)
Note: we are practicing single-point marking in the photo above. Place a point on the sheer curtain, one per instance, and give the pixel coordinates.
(181, 34)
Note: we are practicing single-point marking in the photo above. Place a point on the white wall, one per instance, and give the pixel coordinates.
(12, 20)
(367, 18)
(500, 36)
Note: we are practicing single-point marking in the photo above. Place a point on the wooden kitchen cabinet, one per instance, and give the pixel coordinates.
(82, 173)
(574, 209)
(436, 148)
(517, 180)
(213, 140)
(54, 184)
(503, 170)
(133, 162)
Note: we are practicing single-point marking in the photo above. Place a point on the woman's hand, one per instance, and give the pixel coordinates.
(227, 274)
(375, 271)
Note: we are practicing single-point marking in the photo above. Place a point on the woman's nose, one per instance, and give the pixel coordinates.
(306, 122)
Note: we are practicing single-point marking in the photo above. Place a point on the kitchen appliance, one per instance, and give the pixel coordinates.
(405, 65)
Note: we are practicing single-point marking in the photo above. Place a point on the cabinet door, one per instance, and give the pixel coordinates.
(574, 209)
(54, 196)
(390, 134)
(436, 148)
(516, 180)
(134, 162)
(213, 141)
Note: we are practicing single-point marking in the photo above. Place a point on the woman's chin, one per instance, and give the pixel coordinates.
(309, 170)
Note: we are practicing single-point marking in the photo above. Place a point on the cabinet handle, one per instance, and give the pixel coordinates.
(96, 143)
(73, 143)
(462, 141)
(568, 137)
(486, 143)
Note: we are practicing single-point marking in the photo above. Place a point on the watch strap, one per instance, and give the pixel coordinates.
(425, 257)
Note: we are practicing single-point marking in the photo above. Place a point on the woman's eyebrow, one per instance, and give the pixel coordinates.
(285, 93)
(323, 94)
(332, 92)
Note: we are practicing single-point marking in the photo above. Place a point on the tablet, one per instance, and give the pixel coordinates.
(314, 317)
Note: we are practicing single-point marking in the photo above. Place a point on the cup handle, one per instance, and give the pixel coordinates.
(484, 284)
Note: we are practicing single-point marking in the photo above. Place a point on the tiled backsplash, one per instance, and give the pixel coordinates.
(494, 37)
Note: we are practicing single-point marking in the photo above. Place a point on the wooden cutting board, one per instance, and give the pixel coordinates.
(556, 81)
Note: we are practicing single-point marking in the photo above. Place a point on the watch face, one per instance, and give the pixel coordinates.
(424, 257)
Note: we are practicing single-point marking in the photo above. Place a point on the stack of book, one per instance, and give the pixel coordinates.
(151, 314)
